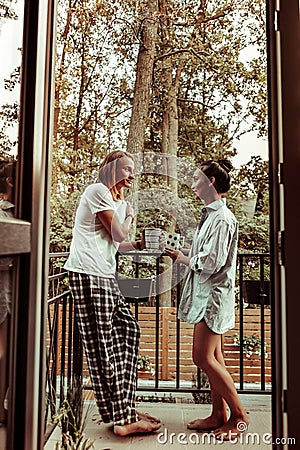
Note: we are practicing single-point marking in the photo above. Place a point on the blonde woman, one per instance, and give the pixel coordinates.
(109, 331)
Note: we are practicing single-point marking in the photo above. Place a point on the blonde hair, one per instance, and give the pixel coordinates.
(108, 170)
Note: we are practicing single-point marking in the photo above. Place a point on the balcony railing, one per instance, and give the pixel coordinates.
(64, 350)
(164, 338)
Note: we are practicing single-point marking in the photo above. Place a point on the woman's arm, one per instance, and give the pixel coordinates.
(128, 246)
(177, 256)
(117, 230)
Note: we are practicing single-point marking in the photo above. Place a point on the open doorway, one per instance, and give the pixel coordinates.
(84, 135)
(183, 82)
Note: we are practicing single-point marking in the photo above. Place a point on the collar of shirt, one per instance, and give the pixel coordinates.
(213, 206)
(217, 204)
(4, 204)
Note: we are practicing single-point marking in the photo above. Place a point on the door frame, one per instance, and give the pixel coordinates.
(26, 420)
(30, 246)
(283, 31)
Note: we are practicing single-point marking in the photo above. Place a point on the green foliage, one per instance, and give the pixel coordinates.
(70, 419)
(252, 269)
(144, 363)
(254, 234)
(93, 76)
(9, 111)
(72, 437)
(251, 344)
(61, 221)
(147, 266)
(79, 444)
(251, 181)
(220, 96)
(8, 120)
(7, 10)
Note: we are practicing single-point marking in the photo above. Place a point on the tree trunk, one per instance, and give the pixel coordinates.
(143, 81)
(169, 147)
(58, 84)
(169, 143)
(142, 88)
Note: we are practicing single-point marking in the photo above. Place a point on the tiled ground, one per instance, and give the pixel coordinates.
(174, 417)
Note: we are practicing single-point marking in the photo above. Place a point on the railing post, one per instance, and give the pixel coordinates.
(262, 321)
(77, 353)
(157, 308)
(165, 344)
(241, 264)
(178, 296)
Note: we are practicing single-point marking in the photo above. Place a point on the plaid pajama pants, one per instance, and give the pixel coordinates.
(110, 335)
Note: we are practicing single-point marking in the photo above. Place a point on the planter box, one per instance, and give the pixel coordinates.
(136, 289)
(145, 374)
(256, 292)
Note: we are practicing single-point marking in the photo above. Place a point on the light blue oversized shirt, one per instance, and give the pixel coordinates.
(208, 291)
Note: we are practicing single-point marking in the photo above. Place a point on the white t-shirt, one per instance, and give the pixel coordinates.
(92, 249)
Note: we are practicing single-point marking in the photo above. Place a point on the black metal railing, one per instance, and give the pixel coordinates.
(64, 351)
(255, 289)
(252, 291)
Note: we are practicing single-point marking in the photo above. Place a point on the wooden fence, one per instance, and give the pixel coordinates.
(188, 371)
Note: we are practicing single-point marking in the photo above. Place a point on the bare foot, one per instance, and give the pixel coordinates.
(232, 428)
(97, 418)
(147, 417)
(207, 424)
(141, 426)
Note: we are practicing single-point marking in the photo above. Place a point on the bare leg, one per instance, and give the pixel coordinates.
(3, 367)
(219, 415)
(141, 426)
(218, 402)
(206, 342)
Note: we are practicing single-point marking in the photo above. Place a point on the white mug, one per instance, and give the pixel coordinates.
(153, 238)
(174, 240)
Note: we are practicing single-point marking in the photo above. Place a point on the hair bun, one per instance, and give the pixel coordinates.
(225, 164)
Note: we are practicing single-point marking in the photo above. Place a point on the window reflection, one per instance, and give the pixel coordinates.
(11, 35)
(7, 183)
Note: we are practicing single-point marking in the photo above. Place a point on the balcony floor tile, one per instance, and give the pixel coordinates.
(174, 417)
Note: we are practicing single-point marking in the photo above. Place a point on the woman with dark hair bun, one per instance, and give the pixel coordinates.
(207, 298)
(220, 171)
